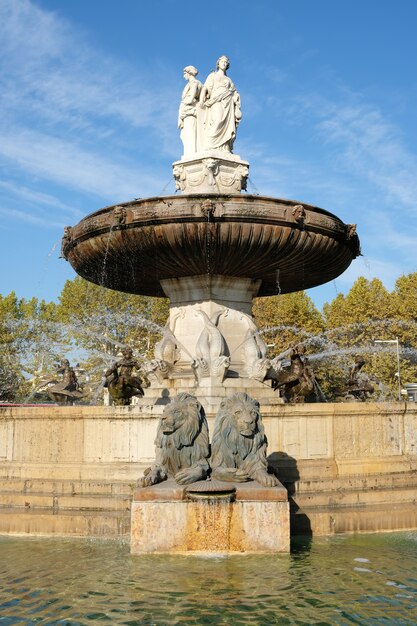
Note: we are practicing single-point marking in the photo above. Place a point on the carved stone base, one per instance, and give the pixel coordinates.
(212, 172)
(165, 521)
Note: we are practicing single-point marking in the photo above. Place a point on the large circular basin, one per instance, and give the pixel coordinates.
(131, 247)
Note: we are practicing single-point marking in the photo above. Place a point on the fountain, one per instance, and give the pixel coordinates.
(211, 249)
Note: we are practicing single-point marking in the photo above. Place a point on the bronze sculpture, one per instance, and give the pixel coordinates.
(121, 382)
(298, 382)
(358, 388)
(68, 389)
(239, 443)
(182, 444)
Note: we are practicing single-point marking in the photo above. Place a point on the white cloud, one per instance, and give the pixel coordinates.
(30, 218)
(370, 145)
(36, 198)
(70, 113)
(69, 164)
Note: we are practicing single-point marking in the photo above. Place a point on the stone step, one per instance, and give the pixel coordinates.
(345, 497)
(380, 481)
(65, 487)
(85, 502)
(331, 520)
(107, 524)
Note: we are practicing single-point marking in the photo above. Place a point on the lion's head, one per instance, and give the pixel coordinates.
(182, 438)
(239, 438)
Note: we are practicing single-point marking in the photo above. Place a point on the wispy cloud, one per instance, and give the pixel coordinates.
(72, 115)
(30, 218)
(70, 164)
(364, 141)
(35, 198)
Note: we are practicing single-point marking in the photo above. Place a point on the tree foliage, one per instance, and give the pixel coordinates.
(90, 324)
(287, 319)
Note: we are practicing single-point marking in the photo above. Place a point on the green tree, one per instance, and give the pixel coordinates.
(354, 322)
(100, 321)
(287, 319)
(29, 341)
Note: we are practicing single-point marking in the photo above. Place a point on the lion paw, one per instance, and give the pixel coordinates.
(189, 475)
(266, 480)
(151, 477)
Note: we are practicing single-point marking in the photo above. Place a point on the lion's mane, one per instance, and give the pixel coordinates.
(230, 449)
(188, 445)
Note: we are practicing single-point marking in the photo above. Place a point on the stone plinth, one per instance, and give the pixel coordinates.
(211, 172)
(163, 520)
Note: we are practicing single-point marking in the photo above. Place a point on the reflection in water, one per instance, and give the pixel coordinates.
(364, 579)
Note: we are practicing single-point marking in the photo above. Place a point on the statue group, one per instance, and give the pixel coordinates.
(209, 114)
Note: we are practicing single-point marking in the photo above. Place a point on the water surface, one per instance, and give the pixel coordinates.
(362, 579)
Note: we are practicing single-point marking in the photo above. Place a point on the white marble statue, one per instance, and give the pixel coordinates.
(219, 113)
(187, 114)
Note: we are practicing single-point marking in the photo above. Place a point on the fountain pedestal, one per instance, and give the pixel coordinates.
(253, 519)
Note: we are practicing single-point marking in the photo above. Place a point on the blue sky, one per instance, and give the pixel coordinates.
(89, 93)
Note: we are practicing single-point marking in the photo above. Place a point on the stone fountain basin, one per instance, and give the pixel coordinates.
(132, 246)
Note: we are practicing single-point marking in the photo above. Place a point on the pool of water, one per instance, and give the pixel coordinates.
(363, 579)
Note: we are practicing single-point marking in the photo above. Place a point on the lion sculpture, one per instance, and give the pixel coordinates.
(182, 444)
(239, 442)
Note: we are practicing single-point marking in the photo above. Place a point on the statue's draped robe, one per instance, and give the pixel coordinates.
(217, 126)
(187, 115)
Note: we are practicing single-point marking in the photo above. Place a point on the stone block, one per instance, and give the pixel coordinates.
(211, 172)
(164, 520)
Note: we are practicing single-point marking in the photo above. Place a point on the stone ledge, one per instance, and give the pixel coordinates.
(251, 491)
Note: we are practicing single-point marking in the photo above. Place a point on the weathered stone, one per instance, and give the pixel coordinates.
(256, 521)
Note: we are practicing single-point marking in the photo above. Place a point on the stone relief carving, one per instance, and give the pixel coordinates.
(207, 174)
(254, 351)
(180, 177)
(239, 443)
(207, 207)
(66, 242)
(211, 358)
(299, 214)
(181, 445)
(166, 354)
(119, 213)
(212, 169)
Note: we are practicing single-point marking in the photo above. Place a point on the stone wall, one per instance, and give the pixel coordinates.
(359, 438)
(332, 457)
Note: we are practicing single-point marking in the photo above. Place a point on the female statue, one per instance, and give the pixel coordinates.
(221, 105)
(187, 113)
